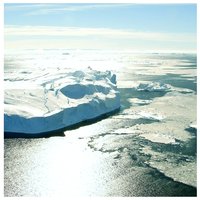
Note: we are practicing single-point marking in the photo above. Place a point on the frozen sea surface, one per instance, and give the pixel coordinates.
(148, 148)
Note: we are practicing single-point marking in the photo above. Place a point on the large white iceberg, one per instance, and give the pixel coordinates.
(55, 101)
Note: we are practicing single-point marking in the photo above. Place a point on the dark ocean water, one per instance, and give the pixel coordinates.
(123, 154)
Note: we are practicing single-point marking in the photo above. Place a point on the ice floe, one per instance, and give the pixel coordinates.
(159, 138)
(153, 86)
(193, 125)
(136, 101)
(151, 116)
(181, 168)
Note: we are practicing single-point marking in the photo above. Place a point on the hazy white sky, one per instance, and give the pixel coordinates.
(145, 27)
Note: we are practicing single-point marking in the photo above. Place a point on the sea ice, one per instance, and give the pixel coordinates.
(159, 138)
(58, 99)
(153, 86)
(151, 116)
(193, 125)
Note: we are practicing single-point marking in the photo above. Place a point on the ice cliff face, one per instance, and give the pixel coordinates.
(57, 100)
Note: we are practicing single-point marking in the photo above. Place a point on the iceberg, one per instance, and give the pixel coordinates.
(57, 100)
(154, 87)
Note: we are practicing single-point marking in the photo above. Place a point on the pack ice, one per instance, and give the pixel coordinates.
(53, 101)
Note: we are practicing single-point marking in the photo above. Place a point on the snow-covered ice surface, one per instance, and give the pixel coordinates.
(148, 148)
(153, 86)
(48, 100)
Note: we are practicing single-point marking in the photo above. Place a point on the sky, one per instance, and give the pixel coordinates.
(137, 27)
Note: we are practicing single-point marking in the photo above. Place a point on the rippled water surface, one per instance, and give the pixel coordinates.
(148, 148)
